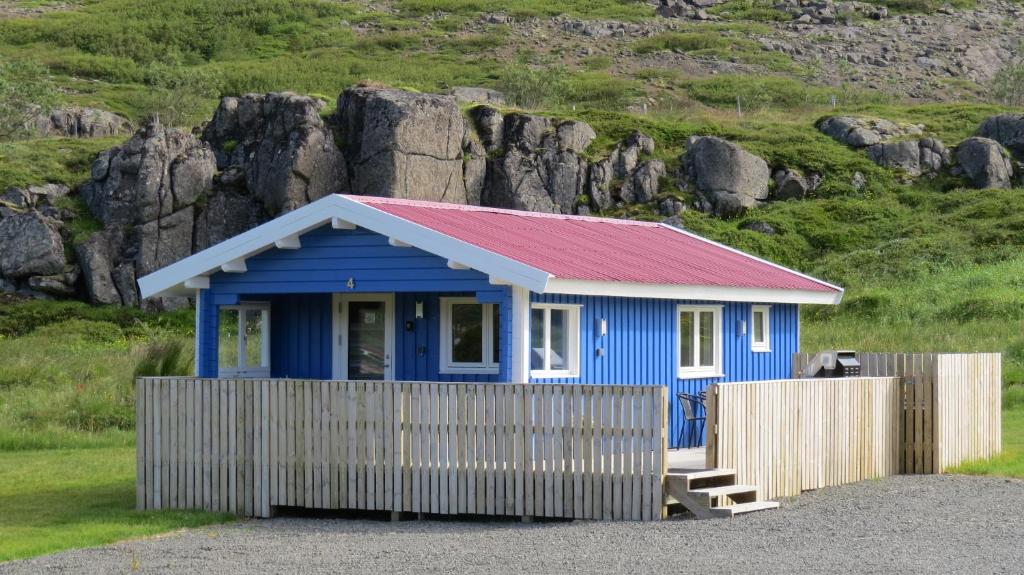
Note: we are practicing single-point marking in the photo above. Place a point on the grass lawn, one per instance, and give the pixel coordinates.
(68, 498)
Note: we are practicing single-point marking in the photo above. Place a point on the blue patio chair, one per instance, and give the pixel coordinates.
(693, 419)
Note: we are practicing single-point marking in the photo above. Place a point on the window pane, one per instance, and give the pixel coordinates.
(227, 342)
(366, 340)
(707, 339)
(759, 327)
(686, 339)
(467, 333)
(536, 339)
(254, 338)
(559, 352)
(495, 330)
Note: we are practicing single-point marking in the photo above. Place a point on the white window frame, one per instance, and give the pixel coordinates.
(243, 370)
(766, 345)
(573, 344)
(488, 365)
(703, 371)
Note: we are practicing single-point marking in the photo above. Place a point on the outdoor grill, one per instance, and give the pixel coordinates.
(833, 364)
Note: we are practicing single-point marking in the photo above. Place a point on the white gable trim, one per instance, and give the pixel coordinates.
(336, 210)
(705, 293)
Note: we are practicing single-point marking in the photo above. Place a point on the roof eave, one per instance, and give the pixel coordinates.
(685, 292)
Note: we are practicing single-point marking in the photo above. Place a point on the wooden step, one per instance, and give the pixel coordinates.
(731, 510)
(705, 479)
(707, 473)
(725, 490)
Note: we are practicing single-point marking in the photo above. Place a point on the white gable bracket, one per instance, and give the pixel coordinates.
(288, 243)
(340, 224)
(236, 266)
(398, 243)
(454, 265)
(198, 282)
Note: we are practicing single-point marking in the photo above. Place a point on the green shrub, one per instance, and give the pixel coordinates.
(1007, 87)
(25, 89)
(165, 358)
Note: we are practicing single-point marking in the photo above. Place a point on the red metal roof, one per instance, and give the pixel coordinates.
(598, 249)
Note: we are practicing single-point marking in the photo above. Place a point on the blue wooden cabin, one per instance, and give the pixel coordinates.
(369, 288)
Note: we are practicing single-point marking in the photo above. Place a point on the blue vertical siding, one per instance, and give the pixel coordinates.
(641, 346)
(300, 336)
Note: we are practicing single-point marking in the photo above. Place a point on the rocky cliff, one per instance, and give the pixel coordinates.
(167, 193)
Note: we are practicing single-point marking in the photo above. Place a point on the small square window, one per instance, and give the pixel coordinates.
(554, 340)
(469, 336)
(700, 341)
(760, 332)
(243, 343)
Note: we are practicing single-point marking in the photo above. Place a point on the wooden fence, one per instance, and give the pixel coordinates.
(792, 435)
(248, 446)
(908, 413)
(952, 405)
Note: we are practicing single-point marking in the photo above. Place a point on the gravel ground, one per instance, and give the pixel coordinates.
(900, 524)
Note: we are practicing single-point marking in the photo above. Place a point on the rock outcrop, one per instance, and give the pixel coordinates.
(863, 132)
(145, 194)
(402, 144)
(728, 179)
(158, 171)
(913, 157)
(282, 146)
(166, 193)
(77, 122)
(889, 144)
(985, 162)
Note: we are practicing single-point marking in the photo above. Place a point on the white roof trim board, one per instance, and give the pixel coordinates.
(180, 277)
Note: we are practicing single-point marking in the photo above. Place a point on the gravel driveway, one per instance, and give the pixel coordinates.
(900, 524)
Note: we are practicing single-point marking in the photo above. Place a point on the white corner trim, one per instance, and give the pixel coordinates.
(198, 283)
(520, 341)
(706, 293)
(235, 266)
(398, 243)
(340, 224)
(753, 257)
(288, 243)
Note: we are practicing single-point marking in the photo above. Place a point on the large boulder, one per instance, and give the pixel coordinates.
(985, 162)
(1007, 129)
(281, 144)
(914, 157)
(158, 171)
(541, 169)
(727, 178)
(78, 122)
(402, 144)
(32, 246)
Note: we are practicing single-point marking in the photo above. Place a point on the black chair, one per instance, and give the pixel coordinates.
(693, 418)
